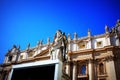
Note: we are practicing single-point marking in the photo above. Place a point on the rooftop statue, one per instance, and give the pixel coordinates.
(28, 46)
(15, 49)
(58, 48)
(39, 44)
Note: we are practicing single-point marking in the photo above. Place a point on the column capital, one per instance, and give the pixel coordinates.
(90, 60)
(74, 62)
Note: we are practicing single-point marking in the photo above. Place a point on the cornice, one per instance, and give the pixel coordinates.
(80, 51)
(92, 50)
(27, 60)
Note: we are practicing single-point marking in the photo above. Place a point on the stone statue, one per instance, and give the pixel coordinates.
(65, 42)
(59, 46)
(14, 49)
(106, 29)
(39, 43)
(28, 46)
(19, 47)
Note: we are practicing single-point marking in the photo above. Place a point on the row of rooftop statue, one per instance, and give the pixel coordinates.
(57, 50)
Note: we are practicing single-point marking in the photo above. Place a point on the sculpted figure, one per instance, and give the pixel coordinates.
(58, 48)
(65, 41)
(39, 43)
(14, 49)
(28, 46)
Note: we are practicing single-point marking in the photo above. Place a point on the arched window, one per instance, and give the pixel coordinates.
(83, 70)
(101, 68)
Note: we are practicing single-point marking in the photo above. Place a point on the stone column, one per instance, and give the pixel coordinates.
(68, 68)
(58, 71)
(91, 70)
(110, 70)
(10, 74)
(74, 77)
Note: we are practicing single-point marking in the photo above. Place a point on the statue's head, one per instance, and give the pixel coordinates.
(14, 46)
(59, 33)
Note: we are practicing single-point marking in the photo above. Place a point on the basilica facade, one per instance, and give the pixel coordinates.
(92, 57)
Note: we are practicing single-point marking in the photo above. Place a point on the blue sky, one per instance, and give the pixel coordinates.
(27, 21)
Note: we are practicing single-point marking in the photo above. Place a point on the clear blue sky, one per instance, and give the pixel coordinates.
(24, 21)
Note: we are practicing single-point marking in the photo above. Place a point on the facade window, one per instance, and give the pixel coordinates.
(101, 68)
(83, 69)
(30, 54)
(9, 58)
(21, 56)
(99, 44)
(82, 45)
(82, 72)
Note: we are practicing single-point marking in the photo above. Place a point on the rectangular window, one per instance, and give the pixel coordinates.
(82, 70)
(21, 56)
(30, 54)
(101, 69)
(82, 45)
(99, 44)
